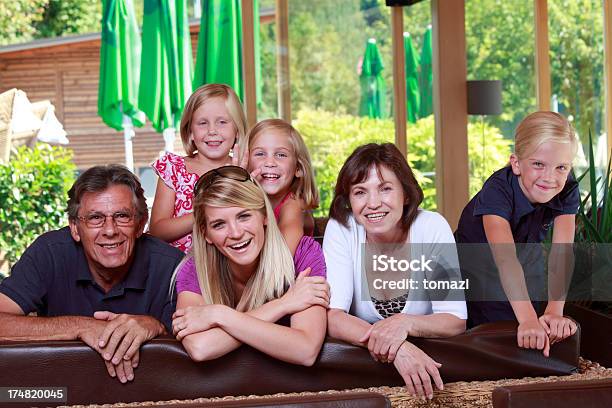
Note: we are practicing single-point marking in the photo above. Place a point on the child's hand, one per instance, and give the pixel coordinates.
(255, 173)
(244, 163)
(236, 157)
(557, 327)
(531, 334)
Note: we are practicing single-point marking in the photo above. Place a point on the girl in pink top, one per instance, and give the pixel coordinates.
(213, 121)
(279, 160)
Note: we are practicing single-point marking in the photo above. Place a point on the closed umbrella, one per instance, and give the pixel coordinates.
(413, 98)
(219, 56)
(426, 76)
(373, 93)
(119, 71)
(166, 65)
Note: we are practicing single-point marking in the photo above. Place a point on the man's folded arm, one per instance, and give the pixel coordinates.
(14, 325)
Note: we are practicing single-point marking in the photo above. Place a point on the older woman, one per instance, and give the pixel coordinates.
(376, 203)
(240, 278)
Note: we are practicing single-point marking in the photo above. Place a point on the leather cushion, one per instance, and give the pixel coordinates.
(559, 394)
(166, 372)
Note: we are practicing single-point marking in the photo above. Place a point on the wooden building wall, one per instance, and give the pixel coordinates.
(68, 76)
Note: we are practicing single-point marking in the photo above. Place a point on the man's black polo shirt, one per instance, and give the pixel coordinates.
(52, 278)
(502, 195)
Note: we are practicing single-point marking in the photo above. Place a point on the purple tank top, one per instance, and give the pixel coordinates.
(307, 254)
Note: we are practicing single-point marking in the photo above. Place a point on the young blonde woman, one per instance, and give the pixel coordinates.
(240, 277)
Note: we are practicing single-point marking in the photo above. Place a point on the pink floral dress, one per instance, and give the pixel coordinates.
(173, 172)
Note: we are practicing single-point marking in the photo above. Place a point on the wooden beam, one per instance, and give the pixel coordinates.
(248, 62)
(59, 95)
(282, 60)
(399, 77)
(542, 59)
(450, 107)
(608, 69)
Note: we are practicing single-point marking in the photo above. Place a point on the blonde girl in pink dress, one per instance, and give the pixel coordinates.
(213, 122)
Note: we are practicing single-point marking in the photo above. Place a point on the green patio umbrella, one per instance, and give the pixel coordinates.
(426, 76)
(119, 71)
(373, 94)
(167, 66)
(219, 56)
(413, 99)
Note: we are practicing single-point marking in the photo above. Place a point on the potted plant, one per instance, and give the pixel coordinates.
(592, 278)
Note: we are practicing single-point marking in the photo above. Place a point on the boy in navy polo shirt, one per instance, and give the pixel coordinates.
(517, 205)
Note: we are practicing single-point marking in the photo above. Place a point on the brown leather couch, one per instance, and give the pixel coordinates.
(335, 400)
(559, 394)
(487, 352)
(596, 339)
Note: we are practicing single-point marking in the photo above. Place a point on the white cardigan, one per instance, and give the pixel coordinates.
(342, 248)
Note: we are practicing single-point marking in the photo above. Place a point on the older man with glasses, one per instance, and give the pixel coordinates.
(99, 280)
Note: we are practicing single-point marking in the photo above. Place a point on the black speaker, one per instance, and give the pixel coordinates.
(393, 3)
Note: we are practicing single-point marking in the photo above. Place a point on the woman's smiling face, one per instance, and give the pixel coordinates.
(238, 233)
(378, 204)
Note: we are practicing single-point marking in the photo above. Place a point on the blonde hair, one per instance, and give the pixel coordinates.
(198, 98)
(275, 271)
(304, 187)
(541, 127)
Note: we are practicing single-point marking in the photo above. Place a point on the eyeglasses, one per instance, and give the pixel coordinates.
(97, 219)
(230, 172)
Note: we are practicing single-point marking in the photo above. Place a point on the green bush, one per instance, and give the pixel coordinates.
(332, 137)
(33, 195)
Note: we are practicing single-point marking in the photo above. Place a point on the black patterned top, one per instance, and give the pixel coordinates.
(387, 308)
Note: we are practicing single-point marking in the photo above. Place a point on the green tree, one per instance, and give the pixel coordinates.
(24, 20)
(500, 45)
(576, 57)
(61, 17)
(326, 40)
(17, 19)
(268, 107)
